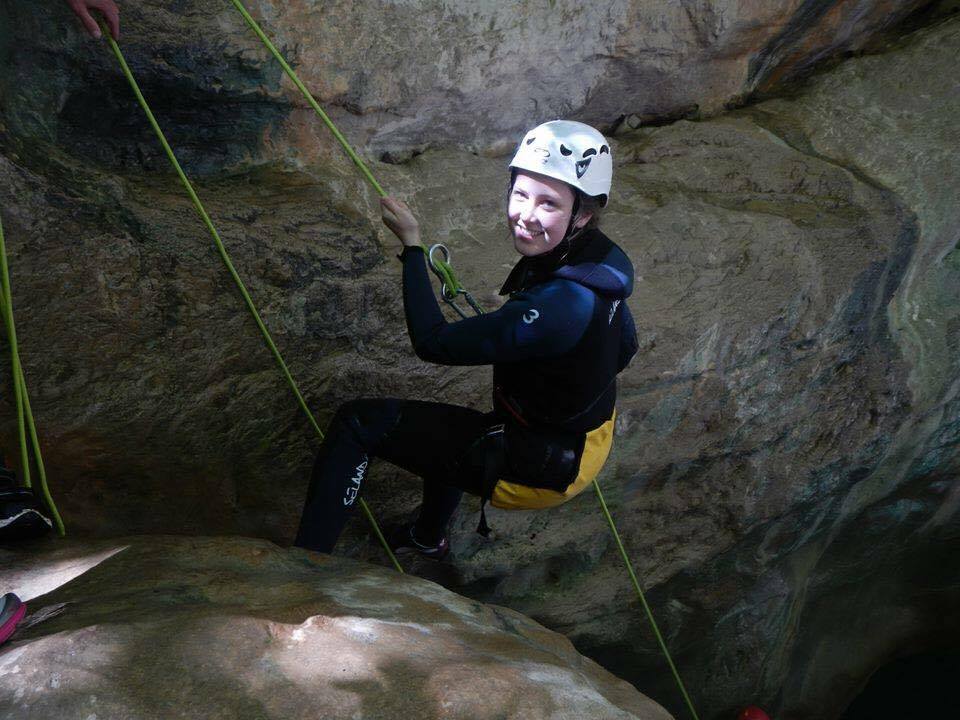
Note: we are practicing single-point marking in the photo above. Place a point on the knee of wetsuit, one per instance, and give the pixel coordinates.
(365, 421)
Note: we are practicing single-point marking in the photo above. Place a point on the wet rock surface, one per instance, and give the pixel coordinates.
(785, 462)
(238, 628)
(403, 76)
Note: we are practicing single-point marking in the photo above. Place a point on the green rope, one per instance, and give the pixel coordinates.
(310, 99)
(38, 458)
(14, 360)
(16, 370)
(444, 268)
(643, 601)
(233, 273)
(446, 273)
(24, 411)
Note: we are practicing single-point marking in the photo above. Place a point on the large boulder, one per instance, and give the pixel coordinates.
(236, 628)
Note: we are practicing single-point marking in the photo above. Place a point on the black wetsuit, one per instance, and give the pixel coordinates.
(556, 346)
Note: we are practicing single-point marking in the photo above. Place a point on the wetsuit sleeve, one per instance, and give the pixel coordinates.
(628, 339)
(545, 322)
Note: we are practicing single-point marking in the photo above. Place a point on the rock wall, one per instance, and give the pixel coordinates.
(785, 463)
(400, 77)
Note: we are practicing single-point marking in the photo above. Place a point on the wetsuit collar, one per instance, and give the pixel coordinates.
(530, 271)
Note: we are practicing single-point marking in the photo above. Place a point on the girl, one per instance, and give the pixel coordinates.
(556, 347)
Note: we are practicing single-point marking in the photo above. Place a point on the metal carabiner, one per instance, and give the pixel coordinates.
(435, 267)
(450, 296)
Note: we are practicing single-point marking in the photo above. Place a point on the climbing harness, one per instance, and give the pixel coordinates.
(450, 292)
(25, 422)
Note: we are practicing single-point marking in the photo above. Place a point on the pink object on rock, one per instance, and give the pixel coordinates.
(12, 610)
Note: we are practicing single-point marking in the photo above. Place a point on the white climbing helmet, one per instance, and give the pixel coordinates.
(570, 151)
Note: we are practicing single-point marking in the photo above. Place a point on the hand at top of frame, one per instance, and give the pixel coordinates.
(109, 10)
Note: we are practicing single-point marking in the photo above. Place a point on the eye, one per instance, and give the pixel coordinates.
(590, 151)
(564, 150)
(531, 139)
(604, 149)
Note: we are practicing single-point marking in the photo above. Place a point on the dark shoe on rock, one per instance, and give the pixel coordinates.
(21, 517)
(405, 538)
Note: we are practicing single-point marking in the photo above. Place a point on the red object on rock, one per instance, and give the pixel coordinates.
(752, 712)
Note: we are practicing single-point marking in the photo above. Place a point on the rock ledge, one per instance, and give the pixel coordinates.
(238, 628)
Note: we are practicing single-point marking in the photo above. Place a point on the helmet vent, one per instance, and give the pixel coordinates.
(604, 149)
(589, 151)
(531, 139)
(564, 150)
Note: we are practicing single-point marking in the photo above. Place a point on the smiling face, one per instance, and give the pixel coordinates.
(539, 212)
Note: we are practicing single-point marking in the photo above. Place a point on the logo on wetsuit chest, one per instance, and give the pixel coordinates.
(354, 488)
(529, 317)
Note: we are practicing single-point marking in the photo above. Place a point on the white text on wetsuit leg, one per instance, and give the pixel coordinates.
(354, 488)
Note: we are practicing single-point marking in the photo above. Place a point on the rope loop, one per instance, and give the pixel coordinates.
(450, 287)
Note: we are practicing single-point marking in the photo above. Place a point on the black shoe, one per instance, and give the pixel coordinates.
(21, 516)
(404, 538)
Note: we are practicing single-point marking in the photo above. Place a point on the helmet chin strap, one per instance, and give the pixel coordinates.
(573, 232)
(570, 235)
(563, 248)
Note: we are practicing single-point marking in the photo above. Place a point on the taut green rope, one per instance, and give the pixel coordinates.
(233, 273)
(38, 458)
(14, 359)
(443, 268)
(643, 601)
(24, 411)
(310, 99)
